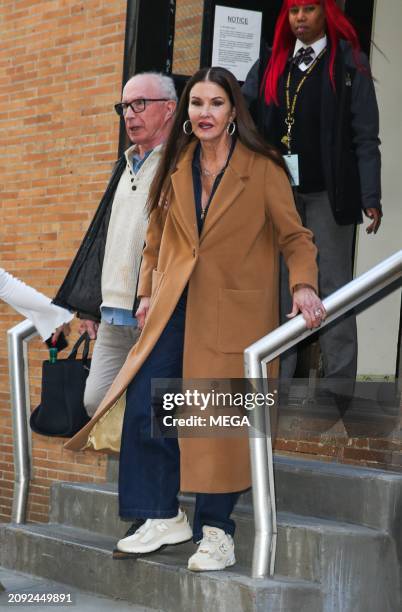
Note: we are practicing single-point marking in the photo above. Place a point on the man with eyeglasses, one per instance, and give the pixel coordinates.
(101, 283)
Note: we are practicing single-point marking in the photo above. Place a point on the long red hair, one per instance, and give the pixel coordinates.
(338, 27)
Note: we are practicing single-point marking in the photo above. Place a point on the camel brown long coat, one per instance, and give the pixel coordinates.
(232, 276)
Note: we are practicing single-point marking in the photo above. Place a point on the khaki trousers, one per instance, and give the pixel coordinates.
(112, 346)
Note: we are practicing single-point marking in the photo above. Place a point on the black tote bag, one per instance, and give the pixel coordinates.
(61, 411)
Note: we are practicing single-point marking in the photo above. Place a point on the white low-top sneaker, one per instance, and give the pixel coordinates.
(215, 551)
(156, 533)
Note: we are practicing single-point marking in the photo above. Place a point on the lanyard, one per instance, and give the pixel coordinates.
(291, 106)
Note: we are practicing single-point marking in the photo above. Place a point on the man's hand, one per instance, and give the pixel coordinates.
(306, 301)
(89, 326)
(142, 311)
(375, 214)
(65, 328)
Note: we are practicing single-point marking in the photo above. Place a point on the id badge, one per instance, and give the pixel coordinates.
(292, 162)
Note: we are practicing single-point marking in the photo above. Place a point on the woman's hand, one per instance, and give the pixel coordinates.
(375, 214)
(142, 311)
(306, 301)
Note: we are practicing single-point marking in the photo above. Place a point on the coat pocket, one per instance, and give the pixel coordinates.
(242, 318)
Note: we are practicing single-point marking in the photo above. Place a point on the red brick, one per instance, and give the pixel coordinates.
(52, 62)
(367, 455)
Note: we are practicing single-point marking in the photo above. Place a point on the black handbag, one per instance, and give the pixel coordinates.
(61, 411)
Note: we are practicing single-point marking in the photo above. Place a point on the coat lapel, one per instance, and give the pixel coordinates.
(230, 187)
(182, 182)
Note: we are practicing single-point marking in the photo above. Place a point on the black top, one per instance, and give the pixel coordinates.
(196, 167)
(306, 132)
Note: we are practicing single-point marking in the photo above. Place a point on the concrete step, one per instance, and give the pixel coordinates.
(361, 496)
(346, 493)
(340, 556)
(83, 559)
(94, 508)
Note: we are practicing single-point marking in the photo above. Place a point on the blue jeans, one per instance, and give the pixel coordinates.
(149, 474)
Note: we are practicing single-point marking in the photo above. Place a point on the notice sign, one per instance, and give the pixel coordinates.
(237, 38)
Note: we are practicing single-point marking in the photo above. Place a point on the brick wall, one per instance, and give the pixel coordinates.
(60, 73)
(373, 441)
(186, 55)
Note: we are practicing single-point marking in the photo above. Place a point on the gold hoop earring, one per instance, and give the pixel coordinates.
(187, 124)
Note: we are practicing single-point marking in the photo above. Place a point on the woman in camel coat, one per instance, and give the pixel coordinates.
(221, 209)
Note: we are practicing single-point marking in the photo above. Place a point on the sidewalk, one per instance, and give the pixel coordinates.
(17, 583)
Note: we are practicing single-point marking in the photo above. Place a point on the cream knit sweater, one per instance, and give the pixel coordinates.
(126, 232)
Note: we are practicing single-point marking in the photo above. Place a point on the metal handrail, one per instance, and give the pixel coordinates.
(256, 357)
(18, 338)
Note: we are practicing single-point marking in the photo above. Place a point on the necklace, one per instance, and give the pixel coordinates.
(213, 175)
(208, 173)
(291, 105)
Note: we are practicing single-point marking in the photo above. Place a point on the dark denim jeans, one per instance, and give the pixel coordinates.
(149, 476)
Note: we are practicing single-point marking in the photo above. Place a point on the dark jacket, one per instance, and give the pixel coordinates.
(350, 153)
(81, 290)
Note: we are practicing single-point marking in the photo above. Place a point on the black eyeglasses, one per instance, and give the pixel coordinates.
(137, 106)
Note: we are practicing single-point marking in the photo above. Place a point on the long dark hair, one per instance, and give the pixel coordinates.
(178, 141)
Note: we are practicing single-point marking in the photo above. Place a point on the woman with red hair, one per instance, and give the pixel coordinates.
(312, 96)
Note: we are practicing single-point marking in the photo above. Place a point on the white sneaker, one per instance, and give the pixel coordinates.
(215, 551)
(156, 533)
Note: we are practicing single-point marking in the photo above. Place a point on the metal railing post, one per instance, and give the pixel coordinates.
(263, 494)
(256, 357)
(17, 338)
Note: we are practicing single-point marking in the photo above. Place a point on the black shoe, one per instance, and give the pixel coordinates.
(118, 554)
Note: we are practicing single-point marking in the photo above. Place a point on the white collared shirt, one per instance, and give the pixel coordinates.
(317, 47)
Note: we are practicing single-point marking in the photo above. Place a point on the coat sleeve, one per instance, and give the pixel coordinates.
(31, 304)
(295, 241)
(151, 251)
(365, 128)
